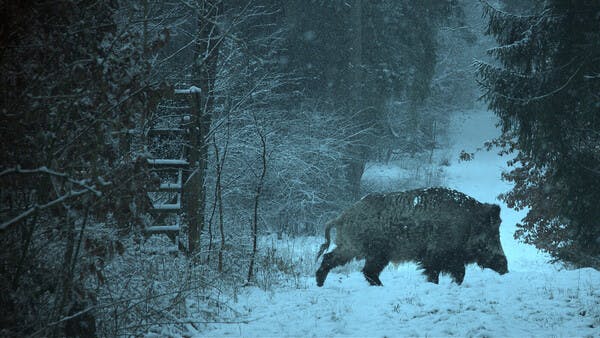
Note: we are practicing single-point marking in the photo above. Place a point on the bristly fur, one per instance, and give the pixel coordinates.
(439, 228)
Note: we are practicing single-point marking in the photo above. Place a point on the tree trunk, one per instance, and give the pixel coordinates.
(203, 76)
(263, 143)
(219, 196)
(356, 163)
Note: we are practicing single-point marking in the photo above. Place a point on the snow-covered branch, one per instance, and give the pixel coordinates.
(46, 170)
(37, 207)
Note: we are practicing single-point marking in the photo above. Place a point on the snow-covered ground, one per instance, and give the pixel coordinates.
(534, 299)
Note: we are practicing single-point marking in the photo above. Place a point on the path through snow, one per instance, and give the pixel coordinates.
(533, 299)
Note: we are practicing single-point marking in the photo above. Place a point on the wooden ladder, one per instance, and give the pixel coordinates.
(168, 130)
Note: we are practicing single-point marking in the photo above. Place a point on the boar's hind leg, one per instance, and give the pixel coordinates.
(372, 269)
(330, 261)
(457, 271)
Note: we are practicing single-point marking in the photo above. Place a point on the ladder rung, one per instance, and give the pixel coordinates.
(173, 186)
(167, 206)
(162, 106)
(168, 162)
(169, 187)
(165, 228)
(192, 89)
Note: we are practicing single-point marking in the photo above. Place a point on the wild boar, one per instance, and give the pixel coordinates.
(441, 229)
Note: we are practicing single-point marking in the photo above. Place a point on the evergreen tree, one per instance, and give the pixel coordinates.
(545, 91)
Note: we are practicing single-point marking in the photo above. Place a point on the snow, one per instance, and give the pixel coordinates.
(170, 186)
(191, 90)
(168, 206)
(381, 174)
(534, 299)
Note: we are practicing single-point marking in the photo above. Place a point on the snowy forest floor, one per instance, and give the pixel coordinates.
(534, 299)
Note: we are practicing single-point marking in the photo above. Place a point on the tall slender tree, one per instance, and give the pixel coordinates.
(545, 91)
(204, 72)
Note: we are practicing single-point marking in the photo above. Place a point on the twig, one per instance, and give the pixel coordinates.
(75, 315)
(64, 319)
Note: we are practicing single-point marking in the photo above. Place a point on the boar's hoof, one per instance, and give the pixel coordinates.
(432, 276)
(372, 279)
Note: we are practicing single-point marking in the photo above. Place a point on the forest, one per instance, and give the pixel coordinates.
(161, 158)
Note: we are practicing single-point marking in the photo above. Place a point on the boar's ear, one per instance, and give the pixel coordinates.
(494, 213)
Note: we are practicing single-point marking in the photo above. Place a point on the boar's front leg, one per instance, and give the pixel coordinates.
(373, 267)
(448, 263)
(431, 270)
(433, 275)
(330, 261)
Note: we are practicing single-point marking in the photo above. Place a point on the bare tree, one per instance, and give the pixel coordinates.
(257, 195)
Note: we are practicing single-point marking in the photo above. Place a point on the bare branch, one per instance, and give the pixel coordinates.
(45, 170)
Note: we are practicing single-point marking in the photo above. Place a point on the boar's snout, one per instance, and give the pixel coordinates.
(499, 264)
(496, 262)
(321, 275)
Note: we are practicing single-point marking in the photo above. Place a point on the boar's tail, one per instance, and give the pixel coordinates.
(324, 246)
